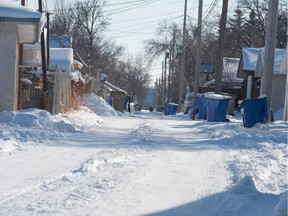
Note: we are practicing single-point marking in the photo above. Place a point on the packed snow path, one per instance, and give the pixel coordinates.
(143, 165)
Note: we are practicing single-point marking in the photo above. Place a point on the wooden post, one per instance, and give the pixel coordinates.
(20, 72)
(269, 52)
(198, 52)
(44, 67)
(182, 72)
(219, 67)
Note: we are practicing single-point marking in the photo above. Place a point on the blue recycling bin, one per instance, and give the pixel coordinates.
(202, 108)
(216, 108)
(109, 101)
(254, 111)
(171, 109)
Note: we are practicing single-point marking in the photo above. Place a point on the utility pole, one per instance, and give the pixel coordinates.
(169, 79)
(172, 78)
(162, 86)
(20, 72)
(182, 72)
(44, 67)
(165, 78)
(219, 66)
(198, 52)
(269, 52)
(48, 38)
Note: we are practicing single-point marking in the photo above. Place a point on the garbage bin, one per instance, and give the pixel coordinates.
(202, 109)
(216, 107)
(109, 101)
(171, 109)
(254, 111)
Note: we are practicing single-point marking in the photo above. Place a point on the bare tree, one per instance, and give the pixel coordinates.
(167, 45)
(246, 28)
(91, 20)
(133, 77)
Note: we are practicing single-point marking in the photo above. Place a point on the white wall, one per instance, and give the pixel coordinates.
(8, 66)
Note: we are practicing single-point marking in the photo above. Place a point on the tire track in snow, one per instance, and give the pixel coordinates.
(83, 189)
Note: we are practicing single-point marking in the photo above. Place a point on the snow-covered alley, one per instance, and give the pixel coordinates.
(139, 164)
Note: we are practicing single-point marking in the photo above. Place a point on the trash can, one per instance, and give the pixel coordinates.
(216, 107)
(254, 111)
(202, 109)
(109, 101)
(171, 109)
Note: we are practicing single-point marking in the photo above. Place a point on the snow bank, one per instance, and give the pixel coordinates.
(99, 105)
(34, 126)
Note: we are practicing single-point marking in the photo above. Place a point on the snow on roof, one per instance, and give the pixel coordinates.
(78, 64)
(230, 68)
(13, 10)
(112, 87)
(278, 57)
(62, 58)
(30, 21)
(76, 76)
(211, 95)
(249, 58)
(252, 61)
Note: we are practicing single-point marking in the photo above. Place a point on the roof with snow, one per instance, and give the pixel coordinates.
(30, 22)
(110, 87)
(61, 58)
(250, 57)
(252, 60)
(230, 68)
(279, 53)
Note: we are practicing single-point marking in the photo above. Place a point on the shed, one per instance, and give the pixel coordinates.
(19, 25)
(248, 62)
(251, 67)
(279, 78)
(117, 95)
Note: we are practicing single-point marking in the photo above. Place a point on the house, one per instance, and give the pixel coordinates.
(250, 69)
(19, 25)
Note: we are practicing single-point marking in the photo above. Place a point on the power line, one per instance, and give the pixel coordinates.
(121, 3)
(131, 20)
(132, 7)
(142, 24)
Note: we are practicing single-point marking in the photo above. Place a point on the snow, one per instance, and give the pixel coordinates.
(96, 161)
(61, 58)
(211, 95)
(250, 58)
(14, 10)
(253, 60)
(278, 61)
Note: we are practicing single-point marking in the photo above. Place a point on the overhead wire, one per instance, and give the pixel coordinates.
(132, 7)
